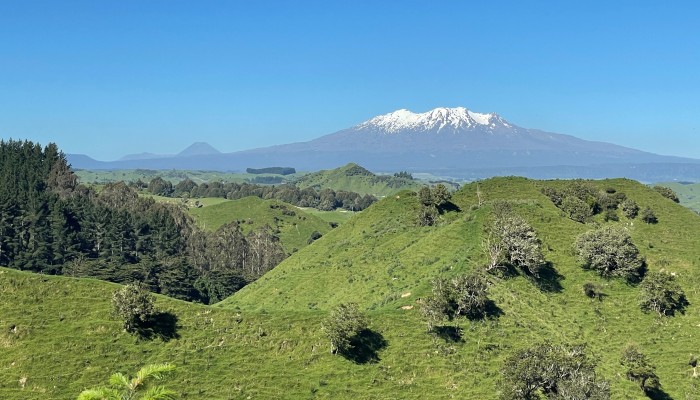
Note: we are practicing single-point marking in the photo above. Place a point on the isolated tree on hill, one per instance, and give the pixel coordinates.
(519, 242)
(648, 216)
(630, 208)
(554, 371)
(667, 193)
(639, 368)
(134, 305)
(659, 292)
(441, 195)
(343, 325)
(432, 201)
(465, 295)
(122, 387)
(610, 251)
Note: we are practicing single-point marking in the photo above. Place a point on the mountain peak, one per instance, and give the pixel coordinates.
(458, 118)
(198, 149)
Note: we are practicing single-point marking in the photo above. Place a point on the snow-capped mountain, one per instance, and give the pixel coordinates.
(453, 142)
(441, 119)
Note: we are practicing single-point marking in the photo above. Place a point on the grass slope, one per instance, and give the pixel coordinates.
(265, 342)
(688, 193)
(384, 262)
(354, 178)
(294, 225)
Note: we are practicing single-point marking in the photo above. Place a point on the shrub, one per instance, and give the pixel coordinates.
(315, 235)
(343, 325)
(592, 290)
(610, 251)
(133, 304)
(576, 209)
(667, 193)
(554, 371)
(639, 369)
(630, 208)
(648, 216)
(465, 295)
(427, 216)
(611, 215)
(659, 292)
(520, 244)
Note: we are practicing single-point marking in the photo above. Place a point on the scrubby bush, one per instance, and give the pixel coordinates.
(576, 209)
(552, 372)
(610, 251)
(343, 325)
(659, 292)
(667, 193)
(611, 215)
(134, 305)
(315, 235)
(592, 290)
(465, 295)
(639, 369)
(519, 242)
(630, 208)
(432, 203)
(648, 216)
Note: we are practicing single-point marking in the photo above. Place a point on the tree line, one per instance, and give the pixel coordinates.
(51, 224)
(322, 199)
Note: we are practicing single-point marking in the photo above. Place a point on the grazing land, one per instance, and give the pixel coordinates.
(266, 340)
(293, 225)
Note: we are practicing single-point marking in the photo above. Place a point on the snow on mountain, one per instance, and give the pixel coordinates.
(438, 119)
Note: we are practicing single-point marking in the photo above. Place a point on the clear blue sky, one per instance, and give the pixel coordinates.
(108, 78)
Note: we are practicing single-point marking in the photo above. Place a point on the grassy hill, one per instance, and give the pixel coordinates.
(385, 263)
(265, 341)
(688, 193)
(294, 225)
(354, 178)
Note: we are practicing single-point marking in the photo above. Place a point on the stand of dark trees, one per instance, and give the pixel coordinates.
(272, 170)
(50, 224)
(324, 199)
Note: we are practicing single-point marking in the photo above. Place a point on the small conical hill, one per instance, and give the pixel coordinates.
(354, 178)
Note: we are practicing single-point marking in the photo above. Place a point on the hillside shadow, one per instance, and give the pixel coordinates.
(450, 334)
(162, 325)
(365, 347)
(491, 311)
(548, 279)
(449, 207)
(657, 394)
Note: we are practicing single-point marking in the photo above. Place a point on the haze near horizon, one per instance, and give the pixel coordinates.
(114, 79)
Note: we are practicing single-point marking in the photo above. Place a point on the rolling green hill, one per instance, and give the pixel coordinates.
(265, 342)
(688, 193)
(294, 226)
(354, 178)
